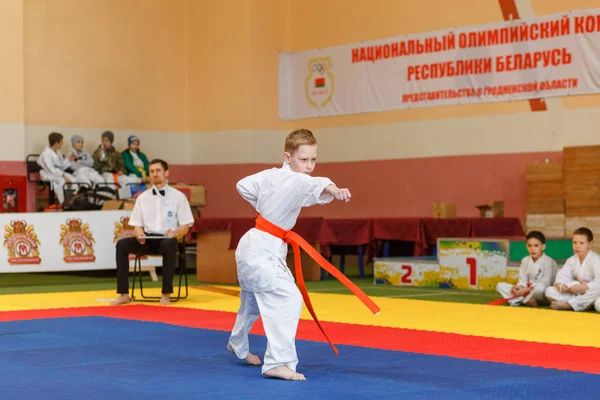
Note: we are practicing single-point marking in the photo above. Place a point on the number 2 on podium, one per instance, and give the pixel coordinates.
(472, 263)
(406, 277)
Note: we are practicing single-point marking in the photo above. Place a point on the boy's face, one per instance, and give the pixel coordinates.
(535, 248)
(158, 174)
(134, 146)
(304, 159)
(106, 143)
(581, 245)
(59, 145)
(78, 146)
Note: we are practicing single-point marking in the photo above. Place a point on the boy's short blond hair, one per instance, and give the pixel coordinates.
(297, 138)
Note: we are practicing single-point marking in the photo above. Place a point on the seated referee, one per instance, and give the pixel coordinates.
(162, 212)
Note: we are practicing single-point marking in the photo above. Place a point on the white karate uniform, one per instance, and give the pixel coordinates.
(268, 287)
(53, 170)
(84, 169)
(575, 272)
(137, 161)
(540, 274)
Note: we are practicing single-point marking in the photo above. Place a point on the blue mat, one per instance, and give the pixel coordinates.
(102, 358)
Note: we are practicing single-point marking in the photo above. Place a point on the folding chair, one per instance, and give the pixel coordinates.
(33, 170)
(137, 267)
(70, 189)
(114, 186)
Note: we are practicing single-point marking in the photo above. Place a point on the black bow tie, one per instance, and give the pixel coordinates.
(162, 192)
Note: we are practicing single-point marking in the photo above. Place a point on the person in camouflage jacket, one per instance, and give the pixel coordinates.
(106, 158)
(110, 164)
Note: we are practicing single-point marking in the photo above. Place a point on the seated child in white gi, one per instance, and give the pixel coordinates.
(82, 163)
(577, 284)
(268, 287)
(54, 167)
(537, 273)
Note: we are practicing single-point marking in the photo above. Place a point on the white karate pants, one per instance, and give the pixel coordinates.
(57, 184)
(280, 310)
(578, 302)
(88, 175)
(538, 293)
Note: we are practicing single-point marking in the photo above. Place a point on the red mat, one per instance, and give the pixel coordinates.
(562, 357)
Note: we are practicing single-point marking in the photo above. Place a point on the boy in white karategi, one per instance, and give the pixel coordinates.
(54, 167)
(577, 284)
(268, 287)
(82, 163)
(537, 273)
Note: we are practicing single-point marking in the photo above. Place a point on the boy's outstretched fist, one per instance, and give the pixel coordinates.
(339, 194)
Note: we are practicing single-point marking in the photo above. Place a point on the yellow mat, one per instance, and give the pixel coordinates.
(545, 326)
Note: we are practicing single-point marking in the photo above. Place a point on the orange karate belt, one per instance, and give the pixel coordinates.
(502, 301)
(297, 241)
(116, 180)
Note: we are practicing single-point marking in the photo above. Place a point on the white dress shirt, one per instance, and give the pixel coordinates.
(157, 213)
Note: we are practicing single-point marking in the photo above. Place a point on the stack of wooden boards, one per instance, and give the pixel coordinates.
(545, 189)
(551, 225)
(582, 181)
(562, 197)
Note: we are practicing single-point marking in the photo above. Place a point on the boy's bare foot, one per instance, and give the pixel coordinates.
(283, 372)
(164, 300)
(532, 303)
(251, 359)
(122, 299)
(561, 305)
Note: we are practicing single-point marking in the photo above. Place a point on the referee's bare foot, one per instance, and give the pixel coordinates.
(561, 305)
(251, 359)
(122, 299)
(283, 372)
(164, 300)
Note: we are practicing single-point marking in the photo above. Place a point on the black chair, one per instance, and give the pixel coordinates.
(114, 186)
(83, 199)
(33, 176)
(181, 264)
(70, 189)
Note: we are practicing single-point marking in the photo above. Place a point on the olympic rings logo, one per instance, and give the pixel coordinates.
(320, 68)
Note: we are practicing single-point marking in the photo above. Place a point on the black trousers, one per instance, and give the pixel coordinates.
(165, 247)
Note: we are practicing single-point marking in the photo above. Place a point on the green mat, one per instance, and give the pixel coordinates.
(558, 249)
(68, 282)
